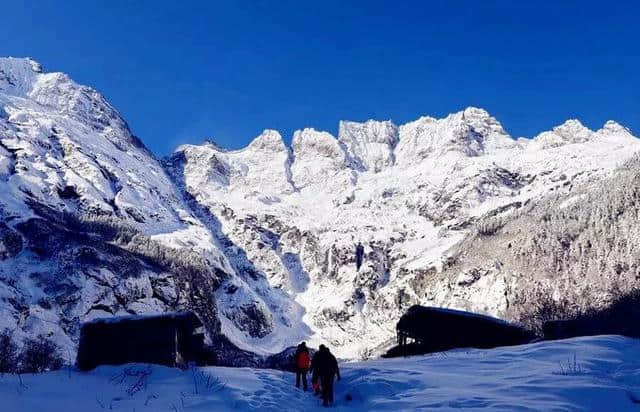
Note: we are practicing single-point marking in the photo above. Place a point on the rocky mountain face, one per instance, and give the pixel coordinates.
(261, 242)
(415, 195)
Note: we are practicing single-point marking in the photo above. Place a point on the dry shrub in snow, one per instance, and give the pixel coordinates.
(40, 355)
(8, 353)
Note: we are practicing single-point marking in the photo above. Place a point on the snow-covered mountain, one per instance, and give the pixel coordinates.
(408, 193)
(271, 229)
(64, 151)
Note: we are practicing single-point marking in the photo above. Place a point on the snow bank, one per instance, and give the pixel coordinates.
(594, 373)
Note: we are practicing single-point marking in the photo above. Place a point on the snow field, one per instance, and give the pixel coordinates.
(599, 373)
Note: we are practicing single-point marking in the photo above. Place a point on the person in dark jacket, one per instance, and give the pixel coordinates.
(315, 380)
(327, 369)
(302, 361)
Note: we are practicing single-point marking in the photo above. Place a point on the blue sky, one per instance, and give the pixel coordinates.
(183, 71)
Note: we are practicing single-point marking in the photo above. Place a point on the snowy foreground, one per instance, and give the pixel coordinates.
(595, 373)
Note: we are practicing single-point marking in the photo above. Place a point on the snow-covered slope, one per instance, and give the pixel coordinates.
(580, 249)
(585, 374)
(92, 226)
(271, 229)
(64, 151)
(70, 149)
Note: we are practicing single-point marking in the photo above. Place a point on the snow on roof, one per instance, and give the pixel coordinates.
(145, 317)
(417, 310)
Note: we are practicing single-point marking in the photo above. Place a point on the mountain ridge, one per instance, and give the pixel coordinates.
(611, 126)
(266, 233)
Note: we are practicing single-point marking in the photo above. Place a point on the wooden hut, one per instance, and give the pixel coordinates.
(172, 339)
(429, 329)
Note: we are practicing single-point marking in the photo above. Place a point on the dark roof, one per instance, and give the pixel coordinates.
(437, 329)
(417, 313)
(185, 318)
(423, 322)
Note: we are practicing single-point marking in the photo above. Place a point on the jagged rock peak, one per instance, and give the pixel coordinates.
(268, 140)
(313, 142)
(476, 127)
(23, 78)
(571, 131)
(470, 132)
(422, 120)
(372, 131)
(370, 145)
(209, 142)
(571, 126)
(472, 112)
(18, 75)
(613, 127)
(20, 63)
(482, 122)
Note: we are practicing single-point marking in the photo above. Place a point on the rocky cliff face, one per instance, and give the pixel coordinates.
(261, 242)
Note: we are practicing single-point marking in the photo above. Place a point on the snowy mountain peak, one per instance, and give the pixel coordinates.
(569, 132)
(22, 78)
(370, 144)
(373, 131)
(476, 115)
(419, 122)
(72, 149)
(209, 142)
(471, 132)
(612, 127)
(35, 66)
(268, 140)
(310, 143)
(572, 126)
(485, 124)
(319, 159)
(18, 75)
(19, 64)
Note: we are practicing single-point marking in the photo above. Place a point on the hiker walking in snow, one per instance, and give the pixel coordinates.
(315, 380)
(302, 360)
(327, 369)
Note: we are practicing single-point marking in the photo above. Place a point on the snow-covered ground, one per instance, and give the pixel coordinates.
(599, 373)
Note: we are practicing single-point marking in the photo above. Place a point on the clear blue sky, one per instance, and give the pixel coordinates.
(182, 71)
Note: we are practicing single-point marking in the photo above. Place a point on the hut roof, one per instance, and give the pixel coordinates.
(185, 318)
(416, 315)
(438, 329)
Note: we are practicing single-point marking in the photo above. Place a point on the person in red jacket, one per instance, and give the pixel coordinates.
(302, 363)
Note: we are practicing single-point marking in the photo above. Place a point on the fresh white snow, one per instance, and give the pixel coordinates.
(599, 373)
